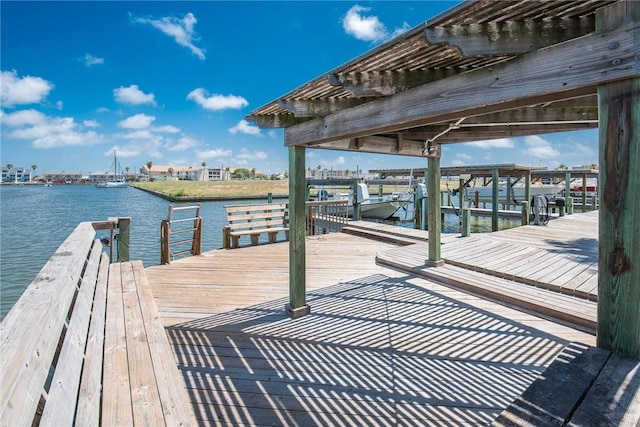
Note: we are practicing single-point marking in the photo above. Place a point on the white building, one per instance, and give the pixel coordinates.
(16, 174)
(187, 173)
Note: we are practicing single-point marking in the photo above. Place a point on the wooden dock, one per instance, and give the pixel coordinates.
(549, 270)
(381, 347)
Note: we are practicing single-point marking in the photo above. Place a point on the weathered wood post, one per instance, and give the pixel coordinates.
(494, 199)
(124, 233)
(196, 245)
(297, 306)
(269, 197)
(433, 204)
(164, 242)
(525, 212)
(619, 249)
(466, 222)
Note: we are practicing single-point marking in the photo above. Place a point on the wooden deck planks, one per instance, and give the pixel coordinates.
(380, 347)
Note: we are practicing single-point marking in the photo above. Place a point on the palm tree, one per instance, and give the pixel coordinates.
(149, 164)
(170, 171)
(204, 164)
(253, 173)
(34, 167)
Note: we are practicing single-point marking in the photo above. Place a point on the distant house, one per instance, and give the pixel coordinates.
(16, 174)
(314, 173)
(188, 173)
(62, 177)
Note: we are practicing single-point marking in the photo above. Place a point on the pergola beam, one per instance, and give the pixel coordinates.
(385, 83)
(510, 37)
(568, 70)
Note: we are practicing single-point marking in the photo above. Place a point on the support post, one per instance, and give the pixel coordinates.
(297, 306)
(124, 227)
(494, 199)
(526, 212)
(618, 327)
(164, 242)
(466, 222)
(434, 207)
(527, 189)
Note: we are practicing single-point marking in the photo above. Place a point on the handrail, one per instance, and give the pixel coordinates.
(326, 216)
(121, 240)
(167, 251)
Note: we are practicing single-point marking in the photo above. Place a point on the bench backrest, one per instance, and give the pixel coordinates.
(46, 335)
(255, 217)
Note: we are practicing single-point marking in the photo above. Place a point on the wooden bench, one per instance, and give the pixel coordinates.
(84, 346)
(254, 220)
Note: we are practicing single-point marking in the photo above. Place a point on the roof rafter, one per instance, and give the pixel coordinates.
(510, 37)
(384, 83)
(568, 70)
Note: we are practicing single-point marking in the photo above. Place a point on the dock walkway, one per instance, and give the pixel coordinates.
(381, 347)
(550, 270)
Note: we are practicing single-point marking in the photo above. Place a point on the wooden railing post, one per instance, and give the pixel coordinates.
(466, 222)
(525, 212)
(196, 245)
(124, 226)
(164, 242)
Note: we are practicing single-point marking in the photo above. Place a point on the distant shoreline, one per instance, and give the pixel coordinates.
(209, 198)
(211, 191)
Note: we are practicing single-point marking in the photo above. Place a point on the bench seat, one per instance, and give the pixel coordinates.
(254, 221)
(84, 345)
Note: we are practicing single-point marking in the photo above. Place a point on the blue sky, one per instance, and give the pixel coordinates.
(171, 82)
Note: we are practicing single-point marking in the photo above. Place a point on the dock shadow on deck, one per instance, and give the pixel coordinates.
(375, 351)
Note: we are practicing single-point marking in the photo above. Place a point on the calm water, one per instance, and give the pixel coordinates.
(35, 220)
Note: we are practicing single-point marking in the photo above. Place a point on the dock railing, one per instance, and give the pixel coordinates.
(119, 240)
(327, 216)
(188, 226)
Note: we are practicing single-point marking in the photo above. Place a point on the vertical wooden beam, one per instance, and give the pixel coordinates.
(494, 199)
(527, 187)
(433, 208)
(124, 227)
(297, 305)
(619, 246)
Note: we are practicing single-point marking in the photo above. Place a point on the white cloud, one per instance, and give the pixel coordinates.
(213, 154)
(216, 102)
(47, 132)
(181, 30)
(252, 155)
(540, 148)
(366, 28)
(139, 121)
(90, 60)
(183, 143)
(59, 105)
(244, 127)
(23, 117)
(23, 90)
(141, 134)
(123, 151)
(102, 110)
(166, 129)
(132, 95)
(338, 161)
(492, 143)
(91, 124)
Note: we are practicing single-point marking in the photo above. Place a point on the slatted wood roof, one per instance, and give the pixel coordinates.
(471, 36)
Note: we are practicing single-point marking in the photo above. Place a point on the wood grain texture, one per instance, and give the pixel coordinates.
(379, 347)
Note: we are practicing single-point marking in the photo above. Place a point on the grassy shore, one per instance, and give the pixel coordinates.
(216, 189)
(176, 190)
